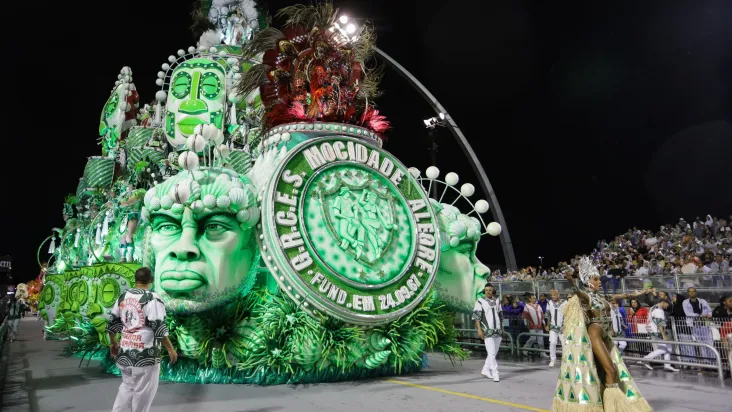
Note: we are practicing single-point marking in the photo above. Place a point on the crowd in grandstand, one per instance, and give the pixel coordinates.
(683, 248)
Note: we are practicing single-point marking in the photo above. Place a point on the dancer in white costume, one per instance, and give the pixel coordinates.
(488, 319)
(555, 322)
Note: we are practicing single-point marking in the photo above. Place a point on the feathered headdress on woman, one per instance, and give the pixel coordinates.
(314, 70)
(587, 270)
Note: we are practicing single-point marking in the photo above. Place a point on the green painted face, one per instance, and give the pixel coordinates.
(197, 95)
(461, 276)
(203, 248)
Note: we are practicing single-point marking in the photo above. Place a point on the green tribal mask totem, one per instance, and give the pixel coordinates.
(200, 239)
(197, 95)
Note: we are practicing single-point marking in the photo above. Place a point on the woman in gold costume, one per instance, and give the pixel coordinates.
(593, 376)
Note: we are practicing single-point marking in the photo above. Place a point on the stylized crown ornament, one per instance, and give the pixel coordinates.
(471, 227)
(587, 270)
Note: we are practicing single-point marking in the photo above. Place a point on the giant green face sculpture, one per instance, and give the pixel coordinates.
(461, 277)
(197, 95)
(201, 239)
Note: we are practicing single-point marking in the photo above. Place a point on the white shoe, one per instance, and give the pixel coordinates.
(551, 364)
(487, 374)
(495, 376)
(670, 368)
(648, 366)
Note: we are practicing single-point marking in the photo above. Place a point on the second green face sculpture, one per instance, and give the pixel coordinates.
(197, 95)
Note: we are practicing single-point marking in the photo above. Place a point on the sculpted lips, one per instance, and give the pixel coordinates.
(181, 281)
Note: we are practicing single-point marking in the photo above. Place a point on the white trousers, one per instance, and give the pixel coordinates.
(660, 349)
(13, 325)
(535, 338)
(492, 345)
(621, 346)
(554, 336)
(138, 388)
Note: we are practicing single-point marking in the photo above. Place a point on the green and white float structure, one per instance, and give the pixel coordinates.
(286, 243)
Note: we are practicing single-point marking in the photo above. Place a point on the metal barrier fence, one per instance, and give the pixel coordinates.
(701, 343)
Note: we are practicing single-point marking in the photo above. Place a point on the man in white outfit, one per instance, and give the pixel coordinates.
(657, 326)
(139, 315)
(488, 319)
(555, 322)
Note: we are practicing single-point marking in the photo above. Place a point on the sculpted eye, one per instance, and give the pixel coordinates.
(167, 228)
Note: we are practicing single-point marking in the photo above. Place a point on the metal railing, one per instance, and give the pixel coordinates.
(718, 366)
(710, 286)
(510, 346)
(717, 354)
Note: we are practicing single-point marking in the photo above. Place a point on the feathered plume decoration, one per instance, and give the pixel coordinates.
(210, 38)
(249, 9)
(312, 71)
(587, 270)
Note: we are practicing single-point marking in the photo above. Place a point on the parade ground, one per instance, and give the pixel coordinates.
(40, 379)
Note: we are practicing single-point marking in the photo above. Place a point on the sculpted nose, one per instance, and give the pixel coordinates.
(186, 249)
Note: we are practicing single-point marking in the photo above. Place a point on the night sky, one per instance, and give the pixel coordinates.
(588, 119)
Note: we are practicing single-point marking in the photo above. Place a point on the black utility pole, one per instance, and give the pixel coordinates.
(432, 135)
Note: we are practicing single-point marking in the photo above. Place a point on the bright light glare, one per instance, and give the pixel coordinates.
(351, 28)
(442, 116)
(428, 122)
(343, 19)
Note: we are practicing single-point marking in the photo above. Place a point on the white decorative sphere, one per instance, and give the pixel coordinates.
(212, 49)
(224, 150)
(237, 76)
(223, 177)
(209, 201)
(414, 172)
(276, 138)
(451, 179)
(165, 67)
(218, 137)
(195, 143)
(155, 203)
(285, 137)
(161, 96)
(197, 206)
(242, 215)
(161, 75)
(198, 129)
(253, 216)
(433, 172)
(166, 202)
(494, 229)
(223, 202)
(231, 61)
(171, 58)
(454, 241)
(467, 190)
(159, 82)
(191, 49)
(208, 131)
(188, 160)
(202, 48)
(181, 52)
(481, 206)
(177, 208)
(222, 53)
(181, 192)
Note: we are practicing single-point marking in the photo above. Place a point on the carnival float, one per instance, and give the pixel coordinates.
(287, 245)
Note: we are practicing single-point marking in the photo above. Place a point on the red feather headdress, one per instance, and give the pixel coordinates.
(312, 72)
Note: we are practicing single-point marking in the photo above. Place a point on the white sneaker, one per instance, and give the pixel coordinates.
(487, 374)
(648, 366)
(670, 368)
(495, 376)
(551, 364)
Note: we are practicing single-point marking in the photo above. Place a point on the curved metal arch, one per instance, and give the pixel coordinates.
(506, 244)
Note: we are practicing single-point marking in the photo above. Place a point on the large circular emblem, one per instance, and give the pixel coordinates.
(347, 231)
